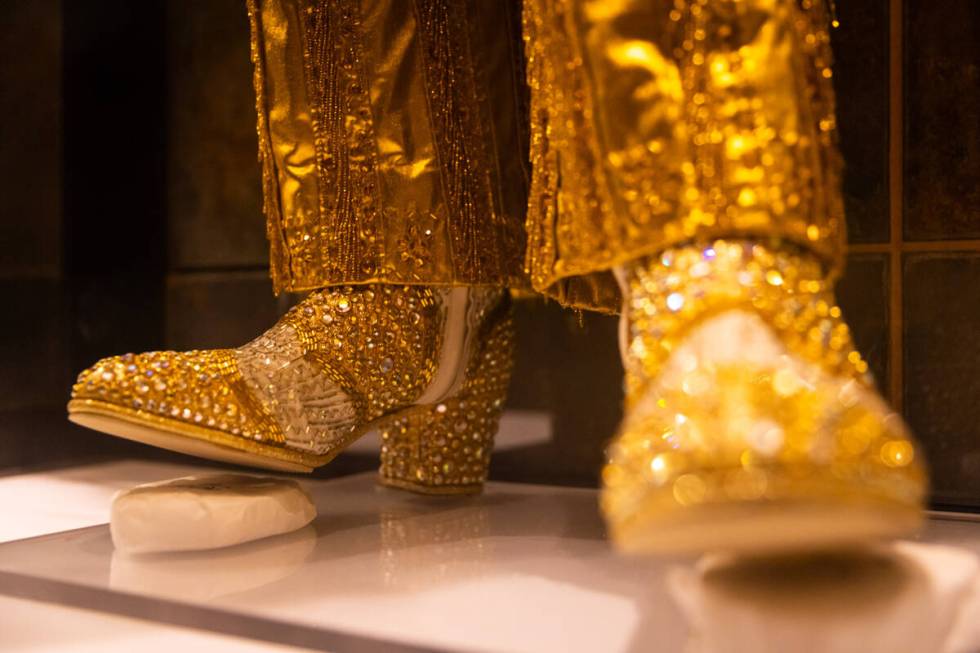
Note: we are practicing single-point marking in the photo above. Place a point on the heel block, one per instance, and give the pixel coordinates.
(445, 448)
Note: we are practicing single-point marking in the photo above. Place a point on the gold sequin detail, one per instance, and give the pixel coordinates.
(378, 342)
(391, 152)
(345, 148)
(655, 123)
(199, 388)
(460, 139)
(806, 426)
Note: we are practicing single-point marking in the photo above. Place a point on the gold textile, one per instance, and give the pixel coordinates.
(657, 122)
(393, 141)
(394, 149)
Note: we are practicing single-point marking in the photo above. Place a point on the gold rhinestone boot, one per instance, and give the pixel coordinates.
(751, 423)
(427, 367)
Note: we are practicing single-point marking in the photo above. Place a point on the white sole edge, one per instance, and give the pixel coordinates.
(163, 439)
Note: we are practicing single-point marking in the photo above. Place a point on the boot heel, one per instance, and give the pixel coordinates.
(445, 448)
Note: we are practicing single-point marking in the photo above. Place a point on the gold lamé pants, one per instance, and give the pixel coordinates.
(478, 142)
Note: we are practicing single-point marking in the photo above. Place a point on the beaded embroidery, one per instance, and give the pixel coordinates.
(407, 150)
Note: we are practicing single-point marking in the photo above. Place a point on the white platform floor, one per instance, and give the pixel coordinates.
(521, 568)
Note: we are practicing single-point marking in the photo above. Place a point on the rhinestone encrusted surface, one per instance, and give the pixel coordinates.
(337, 360)
(805, 425)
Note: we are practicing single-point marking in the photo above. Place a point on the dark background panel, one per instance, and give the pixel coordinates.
(32, 344)
(861, 81)
(567, 366)
(82, 151)
(207, 310)
(114, 190)
(34, 372)
(214, 191)
(942, 384)
(863, 296)
(942, 119)
(30, 138)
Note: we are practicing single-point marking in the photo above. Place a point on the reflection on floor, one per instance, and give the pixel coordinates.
(906, 596)
(30, 626)
(521, 568)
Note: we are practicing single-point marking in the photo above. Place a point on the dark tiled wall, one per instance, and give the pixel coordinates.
(863, 295)
(31, 345)
(861, 81)
(942, 114)
(54, 218)
(942, 376)
(30, 138)
(941, 316)
(218, 308)
(214, 192)
(218, 292)
(568, 366)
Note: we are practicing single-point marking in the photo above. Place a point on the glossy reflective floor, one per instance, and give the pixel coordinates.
(521, 568)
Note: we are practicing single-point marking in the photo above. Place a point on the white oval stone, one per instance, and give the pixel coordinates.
(206, 512)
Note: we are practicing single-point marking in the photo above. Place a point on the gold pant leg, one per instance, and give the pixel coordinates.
(655, 122)
(393, 140)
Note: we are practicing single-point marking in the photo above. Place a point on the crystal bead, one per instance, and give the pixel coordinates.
(675, 301)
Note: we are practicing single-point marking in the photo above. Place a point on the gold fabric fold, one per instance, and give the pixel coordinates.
(656, 122)
(395, 149)
(393, 139)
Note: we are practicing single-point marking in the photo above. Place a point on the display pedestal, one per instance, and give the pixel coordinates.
(519, 568)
